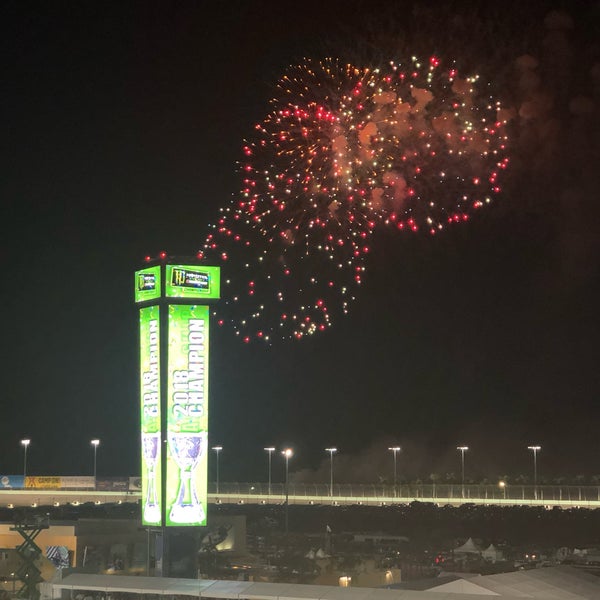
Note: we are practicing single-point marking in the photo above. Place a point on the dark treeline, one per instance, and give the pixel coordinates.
(423, 523)
(430, 524)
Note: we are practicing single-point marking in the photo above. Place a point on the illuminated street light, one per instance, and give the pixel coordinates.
(217, 449)
(535, 450)
(502, 486)
(270, 450)
(287, 453)
(462, 449)
(395, 450)
(25, 443)
(95, 444)
(331, 451)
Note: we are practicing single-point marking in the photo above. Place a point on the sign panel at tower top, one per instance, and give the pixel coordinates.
(187, 415)
(150, 415)
(147, 284)
(192, 281)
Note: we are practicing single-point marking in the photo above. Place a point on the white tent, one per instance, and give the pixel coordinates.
(492, 554)
(469, 547)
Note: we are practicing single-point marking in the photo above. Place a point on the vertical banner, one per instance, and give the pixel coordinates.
(150, 414)
(187, 415)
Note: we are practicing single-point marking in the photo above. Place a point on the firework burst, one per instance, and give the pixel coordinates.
(344, 151)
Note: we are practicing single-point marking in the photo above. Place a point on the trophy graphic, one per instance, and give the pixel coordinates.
(150, 449)
(186, 449)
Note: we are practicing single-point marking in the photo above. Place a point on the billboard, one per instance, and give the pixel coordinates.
(42, 483)
(12, 481)
(192, 281)
(187, 415)
(150, 414)
(71, 482)
(135, 484)
(147, 284)
(113, 484)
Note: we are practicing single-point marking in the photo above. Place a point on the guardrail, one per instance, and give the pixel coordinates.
(541, 494)
(375, 494)
(306, 493)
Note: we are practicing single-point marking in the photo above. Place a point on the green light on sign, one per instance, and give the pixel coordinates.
(192, 281)
(150, 414)
(187, 416)
(147, 284)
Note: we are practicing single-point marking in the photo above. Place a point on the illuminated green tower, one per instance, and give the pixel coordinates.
(173, 301)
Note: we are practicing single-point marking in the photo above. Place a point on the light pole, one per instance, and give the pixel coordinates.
(25, 443)
(462, 449)
(395, 450)
(535, 450)
(270, 450)
(331, 451)
(502, 485)
(287, 453)
(95, 444)
(217, 449)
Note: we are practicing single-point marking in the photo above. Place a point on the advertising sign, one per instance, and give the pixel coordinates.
(192, 281)
(113, 484)
(187, 416)
(42, 483)
(150, 414)
(70, 482)
(147, 284)
(12, 481)
(135, 484)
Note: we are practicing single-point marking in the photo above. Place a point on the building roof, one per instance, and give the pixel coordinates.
(239, 590)
(549, 583)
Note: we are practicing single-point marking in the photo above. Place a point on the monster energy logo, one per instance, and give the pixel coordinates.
(191, 279)
(146, 281)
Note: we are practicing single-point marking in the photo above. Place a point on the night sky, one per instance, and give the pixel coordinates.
(122, 128)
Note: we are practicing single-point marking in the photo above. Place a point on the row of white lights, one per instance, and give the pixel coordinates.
(26, 442)
(288, 453)
(462, 449)
(74, 503)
